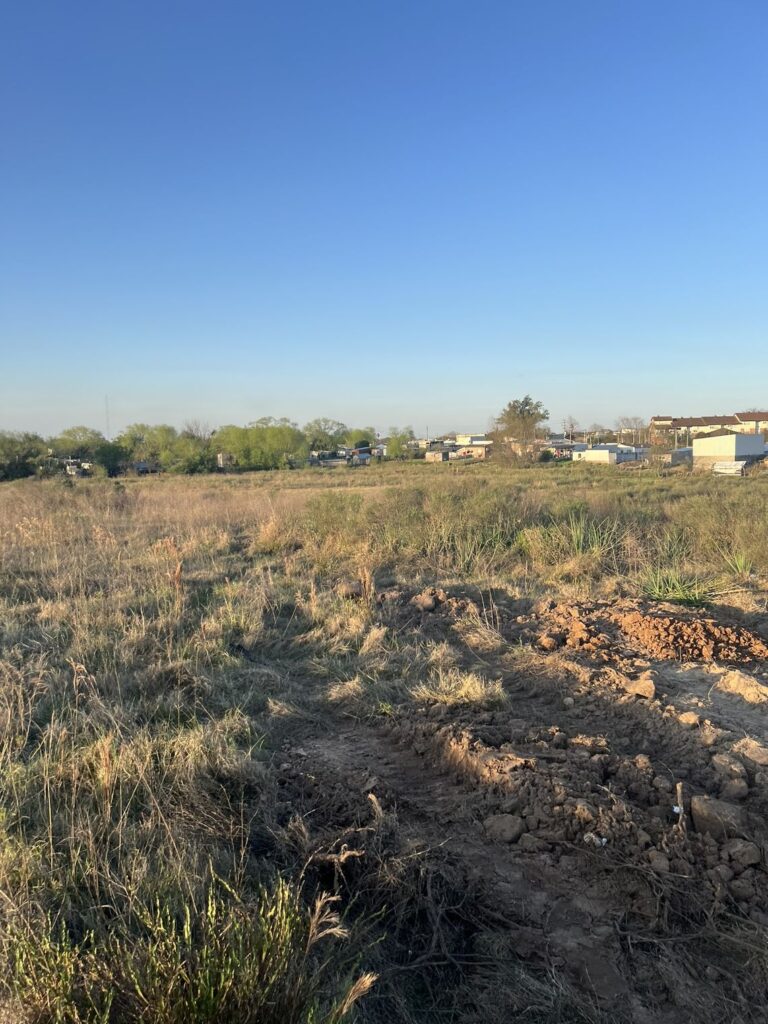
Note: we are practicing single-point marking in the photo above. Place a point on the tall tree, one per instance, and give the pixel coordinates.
(19, 454)
(519, 420)
(324, 434)
(397, 442)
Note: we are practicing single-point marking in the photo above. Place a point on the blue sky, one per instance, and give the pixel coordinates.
(386, 212)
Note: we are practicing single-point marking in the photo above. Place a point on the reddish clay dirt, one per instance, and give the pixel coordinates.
(603, 630)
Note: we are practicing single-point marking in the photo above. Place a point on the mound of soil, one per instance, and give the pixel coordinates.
(702, 639)
(607, 631)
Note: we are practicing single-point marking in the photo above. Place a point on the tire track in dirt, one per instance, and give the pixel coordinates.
(557, 923)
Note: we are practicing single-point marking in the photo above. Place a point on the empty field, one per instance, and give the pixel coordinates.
(398, 744)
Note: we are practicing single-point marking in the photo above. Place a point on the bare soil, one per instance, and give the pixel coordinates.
(617, 831)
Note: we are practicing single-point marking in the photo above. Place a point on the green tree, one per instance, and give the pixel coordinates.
(267, 443)
(88, 445)
(397, 442)
(78, 443)
(154, 444)
(20, 454)
(519, 420)
(325, 435)
(359, 436)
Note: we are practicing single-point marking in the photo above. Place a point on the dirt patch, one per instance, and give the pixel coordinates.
(610, 631)
(577, 845)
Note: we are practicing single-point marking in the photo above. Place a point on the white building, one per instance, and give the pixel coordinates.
(726, 446)
(465, 440)
(610, 454)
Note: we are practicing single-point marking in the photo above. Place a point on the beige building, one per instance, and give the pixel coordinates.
(727, 446)
(436, 456)
(464, 440)
(682, 428)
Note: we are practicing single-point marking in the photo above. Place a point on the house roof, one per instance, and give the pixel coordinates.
(705, 421)
(751, 417)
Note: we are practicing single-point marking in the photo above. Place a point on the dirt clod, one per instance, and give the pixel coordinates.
(504, 828)
(717, 818)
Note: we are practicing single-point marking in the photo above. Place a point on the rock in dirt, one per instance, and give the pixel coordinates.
(546, 642)
(350, 589)
(428, 600)
(689, 719)
(753, 750)
(744, 686)
(736, 789)
(659, 862)
(742, 853)
(641, 686)
(717, 817)
(504, 828)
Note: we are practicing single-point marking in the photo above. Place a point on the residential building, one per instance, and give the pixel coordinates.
(727, 446)
(464, 440)
(682, 429)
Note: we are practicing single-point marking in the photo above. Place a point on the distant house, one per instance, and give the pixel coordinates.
(756, 422)
(611, 454)
(727, 446)
(437, 455)
(464, 440)
(684, 428)
(471, 451)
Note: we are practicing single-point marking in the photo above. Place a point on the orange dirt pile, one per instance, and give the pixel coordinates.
(663, 636)
(612, 631)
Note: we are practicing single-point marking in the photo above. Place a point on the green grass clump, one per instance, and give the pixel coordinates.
(227, 963)
(672, 584)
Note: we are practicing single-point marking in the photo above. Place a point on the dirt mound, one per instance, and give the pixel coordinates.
(607, 631)
(701, 639)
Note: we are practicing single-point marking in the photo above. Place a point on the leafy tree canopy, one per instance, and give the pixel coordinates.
(324, 434)
(397, 442)
(519, 419)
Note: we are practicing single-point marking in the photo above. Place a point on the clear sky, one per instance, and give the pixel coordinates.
(383, 211)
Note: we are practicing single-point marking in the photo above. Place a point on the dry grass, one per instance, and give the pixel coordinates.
(159, 639)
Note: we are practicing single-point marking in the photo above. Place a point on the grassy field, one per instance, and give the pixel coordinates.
(215, 696)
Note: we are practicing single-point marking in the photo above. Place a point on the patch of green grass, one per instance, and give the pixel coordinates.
(226, 963)
(672, 584)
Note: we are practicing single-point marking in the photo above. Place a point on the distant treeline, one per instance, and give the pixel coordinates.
(267, 443)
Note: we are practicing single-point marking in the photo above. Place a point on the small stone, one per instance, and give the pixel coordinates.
(659, 862)
(662, 784)
(642, 686)
(560, 741)
(425, 602)
(753, 750)
(736, 789)
(504, 828)
(643, 839)
(689, 719)
(717, 817)
(742, 853)
(546, 642)
(568, 702)
(742, 889)
(728, 767)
